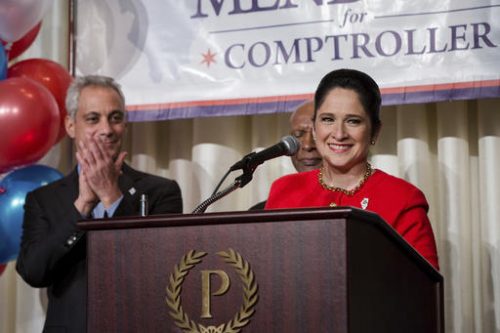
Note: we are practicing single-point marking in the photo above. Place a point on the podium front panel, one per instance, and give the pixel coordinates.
(297, 267)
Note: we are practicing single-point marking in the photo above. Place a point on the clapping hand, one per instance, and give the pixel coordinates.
(99, 173)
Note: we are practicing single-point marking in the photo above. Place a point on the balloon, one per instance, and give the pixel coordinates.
(50, 74)
(16, 48)
(3, 63)
(29, 120)
(17, 17)
(15, 187)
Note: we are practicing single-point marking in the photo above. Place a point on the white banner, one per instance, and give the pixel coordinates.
(189, 58)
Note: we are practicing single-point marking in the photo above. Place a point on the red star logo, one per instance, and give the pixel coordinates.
(208, 58)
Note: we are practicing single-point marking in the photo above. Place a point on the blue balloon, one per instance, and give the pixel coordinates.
(13, 190)
(3, 62)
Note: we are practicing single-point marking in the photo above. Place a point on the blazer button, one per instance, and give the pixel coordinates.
(71, 240)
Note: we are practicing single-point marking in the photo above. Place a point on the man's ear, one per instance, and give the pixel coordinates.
(69, 124)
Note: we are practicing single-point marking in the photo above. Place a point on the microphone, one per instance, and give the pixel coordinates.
(288, 145)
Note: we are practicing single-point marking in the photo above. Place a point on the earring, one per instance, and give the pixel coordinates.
(372, 142)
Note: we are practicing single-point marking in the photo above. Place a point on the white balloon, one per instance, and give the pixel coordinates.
(18, 17)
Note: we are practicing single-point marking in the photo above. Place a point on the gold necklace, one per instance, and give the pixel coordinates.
(368, 172)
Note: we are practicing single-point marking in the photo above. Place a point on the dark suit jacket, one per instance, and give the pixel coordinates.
(47, 259)
(258, 206)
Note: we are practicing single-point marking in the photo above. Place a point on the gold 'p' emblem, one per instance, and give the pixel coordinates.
(206, 290)
(250, 296)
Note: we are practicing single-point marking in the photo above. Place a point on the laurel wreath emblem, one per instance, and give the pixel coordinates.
(174, 288)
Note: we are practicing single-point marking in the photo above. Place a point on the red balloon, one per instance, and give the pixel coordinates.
(2, 268)
(29, 120)
(51, 75)
(21, 45)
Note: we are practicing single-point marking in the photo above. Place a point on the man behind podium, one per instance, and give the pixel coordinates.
(307, 157)
(53, 252)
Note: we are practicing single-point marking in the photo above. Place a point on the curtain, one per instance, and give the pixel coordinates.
(450, 150)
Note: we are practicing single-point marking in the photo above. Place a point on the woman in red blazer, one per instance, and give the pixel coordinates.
(346, 122)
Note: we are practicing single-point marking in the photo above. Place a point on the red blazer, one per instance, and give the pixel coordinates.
(399, 203)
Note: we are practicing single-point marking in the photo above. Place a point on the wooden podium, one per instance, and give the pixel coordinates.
(314, 270)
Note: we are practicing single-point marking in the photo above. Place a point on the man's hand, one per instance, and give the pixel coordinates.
(87, 199)
(100, 171)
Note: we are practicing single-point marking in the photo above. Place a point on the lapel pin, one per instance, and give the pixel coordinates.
(364, 203)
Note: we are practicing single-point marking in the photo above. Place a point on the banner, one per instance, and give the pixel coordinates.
(192, 58)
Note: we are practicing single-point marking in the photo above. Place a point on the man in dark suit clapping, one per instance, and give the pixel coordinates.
(53, 251)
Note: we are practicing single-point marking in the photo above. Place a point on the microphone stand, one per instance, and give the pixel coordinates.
(240, 181)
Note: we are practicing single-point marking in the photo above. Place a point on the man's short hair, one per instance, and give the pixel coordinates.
(76, 87)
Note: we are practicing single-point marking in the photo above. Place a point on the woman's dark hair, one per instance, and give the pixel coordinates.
(366, 88)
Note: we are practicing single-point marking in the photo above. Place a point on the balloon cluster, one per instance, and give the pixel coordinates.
(32, 113)
(32, 92)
